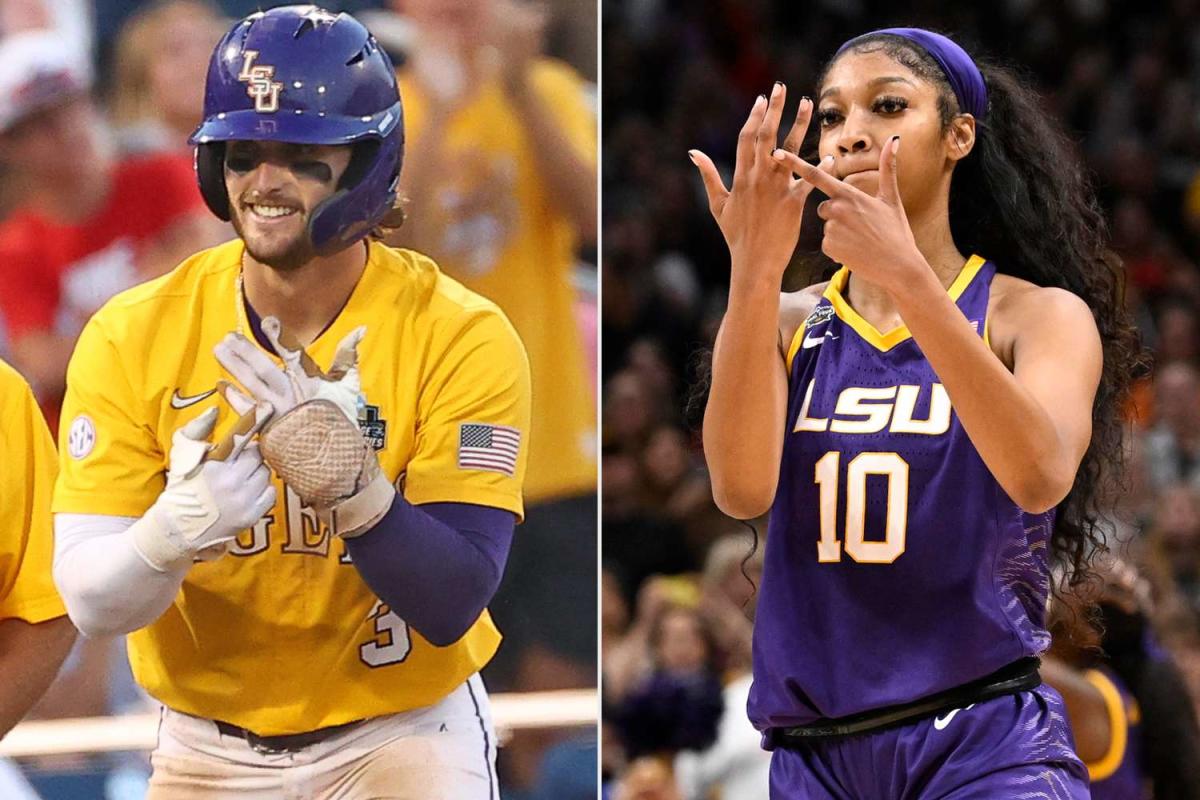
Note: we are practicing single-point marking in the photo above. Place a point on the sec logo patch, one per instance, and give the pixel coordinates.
(82, 437)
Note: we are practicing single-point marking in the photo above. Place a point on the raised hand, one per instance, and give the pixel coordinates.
(760, 216)
(869, 234)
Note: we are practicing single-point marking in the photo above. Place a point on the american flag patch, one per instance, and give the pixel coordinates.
(492, 448)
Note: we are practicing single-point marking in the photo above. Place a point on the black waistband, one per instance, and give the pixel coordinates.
(1019, 676)
(288, 743)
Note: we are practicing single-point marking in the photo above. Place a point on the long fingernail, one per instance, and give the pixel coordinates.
(692, 155)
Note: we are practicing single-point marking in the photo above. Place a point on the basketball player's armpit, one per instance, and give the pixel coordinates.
(436, 566)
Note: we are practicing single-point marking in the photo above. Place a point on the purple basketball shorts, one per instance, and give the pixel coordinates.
(1006, 748)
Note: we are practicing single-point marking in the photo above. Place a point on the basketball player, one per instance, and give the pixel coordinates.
(328, 644)
(1124, 695)
(926, 428)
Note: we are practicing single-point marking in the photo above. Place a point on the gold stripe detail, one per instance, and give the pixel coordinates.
(886, 341)
(794, 347)
(1108, 764)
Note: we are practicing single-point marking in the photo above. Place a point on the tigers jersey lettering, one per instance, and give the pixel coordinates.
(27, 541)
(435, 355)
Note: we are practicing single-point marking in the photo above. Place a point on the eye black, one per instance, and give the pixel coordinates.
(317, 170)
(240, 163)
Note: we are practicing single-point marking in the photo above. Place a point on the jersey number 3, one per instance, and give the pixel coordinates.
(391, 644)
(888, 465)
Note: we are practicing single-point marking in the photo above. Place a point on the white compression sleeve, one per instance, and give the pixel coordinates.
(108, 588)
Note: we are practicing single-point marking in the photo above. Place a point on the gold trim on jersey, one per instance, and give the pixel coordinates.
(794, 347)
(1117, 726)
(886, 341)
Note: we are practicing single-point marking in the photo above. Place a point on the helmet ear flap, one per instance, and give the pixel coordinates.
(210, 172)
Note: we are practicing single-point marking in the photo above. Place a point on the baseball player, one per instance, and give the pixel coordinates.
(35, 634)
(306, 596)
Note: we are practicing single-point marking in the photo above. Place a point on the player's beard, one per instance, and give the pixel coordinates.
(286, 256)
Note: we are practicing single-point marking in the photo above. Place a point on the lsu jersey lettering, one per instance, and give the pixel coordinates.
(27, 540)
(283, 635)
(896, 566)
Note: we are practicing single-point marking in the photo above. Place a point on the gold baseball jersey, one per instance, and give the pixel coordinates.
(523, 257)
(282, 635)
(27, 545)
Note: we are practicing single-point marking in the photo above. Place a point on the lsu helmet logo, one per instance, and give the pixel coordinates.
(259, 84)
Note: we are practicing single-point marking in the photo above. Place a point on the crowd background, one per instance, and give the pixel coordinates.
(97, 193)
(1124, 77)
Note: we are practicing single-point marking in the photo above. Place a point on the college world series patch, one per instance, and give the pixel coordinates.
(372, 427)
(491, 448)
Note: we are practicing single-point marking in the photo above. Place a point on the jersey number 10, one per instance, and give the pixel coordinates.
(889, 465)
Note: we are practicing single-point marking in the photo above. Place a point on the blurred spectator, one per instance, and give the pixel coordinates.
(86, 225)
(70, 19)
(500, 169)
(1178, 334)
(647, 778)
(735, 765)
(676, 484)
(159, 69)
(631, 410)
(642, 540)
(1173, 542)
(1172, 446)
(677, 702)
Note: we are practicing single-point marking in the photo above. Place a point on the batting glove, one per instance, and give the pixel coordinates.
(213, 492)
(314, 443)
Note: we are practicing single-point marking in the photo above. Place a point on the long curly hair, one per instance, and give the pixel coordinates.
(1022, 199)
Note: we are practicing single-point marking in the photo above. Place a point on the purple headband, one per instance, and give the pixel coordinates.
(964, 77)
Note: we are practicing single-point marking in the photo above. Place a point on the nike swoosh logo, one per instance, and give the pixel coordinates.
(812, 340)
(940, 723)
(179, 401)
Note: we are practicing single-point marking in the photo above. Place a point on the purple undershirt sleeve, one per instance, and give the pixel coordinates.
(437, 565)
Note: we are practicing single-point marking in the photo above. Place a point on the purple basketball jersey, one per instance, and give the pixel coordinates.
(896, 566)
(1118, 775)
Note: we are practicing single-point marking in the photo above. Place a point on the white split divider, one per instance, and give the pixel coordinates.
(511, 712)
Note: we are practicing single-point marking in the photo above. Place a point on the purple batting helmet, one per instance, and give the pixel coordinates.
(304, 75)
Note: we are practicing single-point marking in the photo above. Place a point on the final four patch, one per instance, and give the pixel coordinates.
(822, 314)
